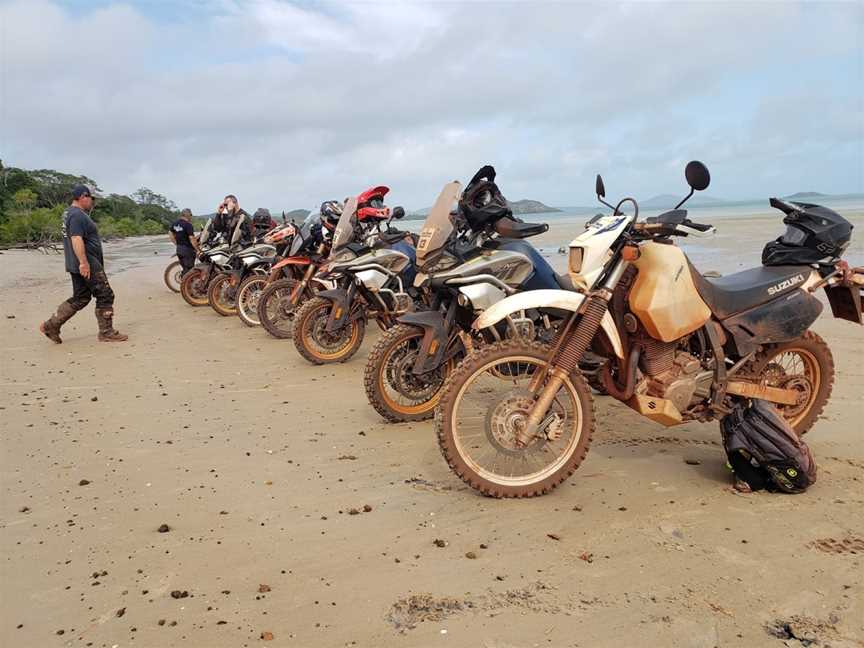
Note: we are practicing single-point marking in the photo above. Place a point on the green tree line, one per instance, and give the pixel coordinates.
(32, 203)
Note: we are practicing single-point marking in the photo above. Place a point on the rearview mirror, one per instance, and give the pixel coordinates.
(398, 212)
(599, 189)
(697, 175)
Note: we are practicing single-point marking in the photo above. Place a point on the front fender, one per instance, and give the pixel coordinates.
(339, 311)
(434, 343)
(560, 299)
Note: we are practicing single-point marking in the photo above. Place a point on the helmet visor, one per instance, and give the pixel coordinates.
(793, 236)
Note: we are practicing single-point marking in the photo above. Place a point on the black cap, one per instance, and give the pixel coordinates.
(81, 190)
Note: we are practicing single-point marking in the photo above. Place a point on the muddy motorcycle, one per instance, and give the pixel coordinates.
(252, 261)
(212, 259)
(251, 288)
(292, 279)
(464, 267)
(515, 419)
(375, 283)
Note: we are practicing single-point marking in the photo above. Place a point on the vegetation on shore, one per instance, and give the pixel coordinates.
(32, 202)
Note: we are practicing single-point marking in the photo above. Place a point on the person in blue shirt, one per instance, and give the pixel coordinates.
(183, 234)
(85, 264)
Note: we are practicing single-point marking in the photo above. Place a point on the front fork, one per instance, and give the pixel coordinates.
(307, 277)
(568, 351)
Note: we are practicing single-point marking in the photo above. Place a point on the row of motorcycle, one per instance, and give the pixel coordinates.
(506, 354)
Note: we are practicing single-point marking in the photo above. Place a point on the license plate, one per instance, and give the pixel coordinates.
(845, 302)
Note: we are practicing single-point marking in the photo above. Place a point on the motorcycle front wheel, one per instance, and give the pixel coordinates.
(392, 388)
(173, 276)
(485, 404)
(248, 296)
(276, 311)
(193, 288)
(318, 345)
(221, 296)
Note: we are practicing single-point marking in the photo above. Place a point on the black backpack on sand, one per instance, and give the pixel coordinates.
(764, 450)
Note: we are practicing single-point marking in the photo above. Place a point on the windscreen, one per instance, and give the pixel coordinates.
(438, 226)
(304, 232)
(344, 233)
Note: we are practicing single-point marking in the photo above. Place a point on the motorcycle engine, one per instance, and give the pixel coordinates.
(679, 382)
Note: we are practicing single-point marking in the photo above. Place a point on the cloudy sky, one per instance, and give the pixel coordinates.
(290, 103)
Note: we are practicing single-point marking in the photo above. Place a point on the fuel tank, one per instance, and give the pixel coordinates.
(664, 297)
(511, 267)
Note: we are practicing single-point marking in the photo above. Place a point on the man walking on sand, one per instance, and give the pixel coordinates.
(85, 264)
(183, 235)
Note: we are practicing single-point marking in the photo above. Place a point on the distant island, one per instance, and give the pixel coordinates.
(805, 194)
(531, 207)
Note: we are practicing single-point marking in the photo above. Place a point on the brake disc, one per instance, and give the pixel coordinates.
(508, 417)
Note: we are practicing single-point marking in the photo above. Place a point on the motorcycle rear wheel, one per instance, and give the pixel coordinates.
(248, 296)
(392, 388)
(804, 364)
(275, 311)
(220, 296)
(173, 276)
(317, 345)
(485, 403)
(193, 289)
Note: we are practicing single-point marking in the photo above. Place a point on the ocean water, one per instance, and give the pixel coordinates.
(742, 230)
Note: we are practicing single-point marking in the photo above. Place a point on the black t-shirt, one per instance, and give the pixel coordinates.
(76, 222)
(183, 231)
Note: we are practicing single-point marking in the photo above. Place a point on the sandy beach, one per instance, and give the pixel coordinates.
(294, 516)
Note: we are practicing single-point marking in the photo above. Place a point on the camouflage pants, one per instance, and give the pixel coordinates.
(95, 286)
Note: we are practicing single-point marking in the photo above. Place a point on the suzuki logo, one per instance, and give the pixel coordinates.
(783, 285)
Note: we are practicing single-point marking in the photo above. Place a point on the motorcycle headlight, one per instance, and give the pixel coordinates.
(575, 261)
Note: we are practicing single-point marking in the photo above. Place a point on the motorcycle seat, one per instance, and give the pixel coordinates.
(737, 292)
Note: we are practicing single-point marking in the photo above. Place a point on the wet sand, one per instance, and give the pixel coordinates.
(296, 517)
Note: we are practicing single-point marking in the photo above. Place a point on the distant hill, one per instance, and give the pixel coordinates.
(531, 207)
(297, 214)
(806, 194)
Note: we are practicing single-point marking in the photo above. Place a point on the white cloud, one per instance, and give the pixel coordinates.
(287, 104)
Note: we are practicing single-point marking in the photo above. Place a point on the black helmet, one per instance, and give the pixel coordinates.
(331, 210)
(482, 202)
(262, 217)
(813, 234)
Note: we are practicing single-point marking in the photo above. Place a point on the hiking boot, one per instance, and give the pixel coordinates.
(107, 332)
(50, 328)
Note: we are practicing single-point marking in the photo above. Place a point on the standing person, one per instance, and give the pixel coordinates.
(183, 235)
(85, 264)
(234, 223)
